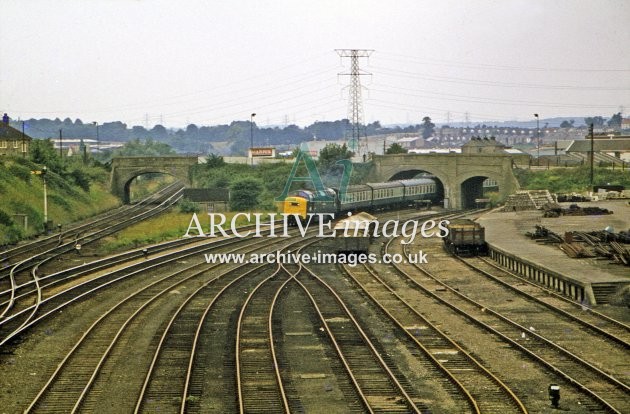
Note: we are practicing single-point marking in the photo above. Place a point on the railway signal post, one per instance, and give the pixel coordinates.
(42, 173)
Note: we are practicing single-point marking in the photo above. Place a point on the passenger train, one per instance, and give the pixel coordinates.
(365, 197)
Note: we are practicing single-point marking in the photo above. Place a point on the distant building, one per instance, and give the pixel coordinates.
(483, 146)
(492, 146)
(411, 142)
(12, 141)
(617, 146)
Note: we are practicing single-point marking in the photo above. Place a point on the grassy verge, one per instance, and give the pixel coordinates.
(566, 180)
(168, 226)
(22, 196)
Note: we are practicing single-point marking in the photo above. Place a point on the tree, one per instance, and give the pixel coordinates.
(396, 148)
(244, 194)
(147, 148)
(42, 151)
(332, 153)
(214, 161)
(567, 124)
(428, 127)
(615, 121)
(597, 121)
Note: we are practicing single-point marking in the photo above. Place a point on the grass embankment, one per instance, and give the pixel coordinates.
(568, 180)
(168, 226)
(71, 197)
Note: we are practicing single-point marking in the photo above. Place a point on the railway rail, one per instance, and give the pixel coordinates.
(606, 393)
(22, 282)
(482, 389)
(172, 332)
(70, 386)
(380, 388)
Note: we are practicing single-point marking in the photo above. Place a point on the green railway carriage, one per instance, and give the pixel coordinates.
(356, 197)
(387, 195)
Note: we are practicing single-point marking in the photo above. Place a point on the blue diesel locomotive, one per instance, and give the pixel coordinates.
(365, 197)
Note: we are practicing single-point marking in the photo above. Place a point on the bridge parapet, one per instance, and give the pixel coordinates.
(125, 169)
(460, 175)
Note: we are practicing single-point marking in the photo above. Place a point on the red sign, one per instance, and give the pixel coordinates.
(261, 152)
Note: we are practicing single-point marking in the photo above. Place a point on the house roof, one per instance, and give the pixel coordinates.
(600, 145)
(11, 134)
(408, 139)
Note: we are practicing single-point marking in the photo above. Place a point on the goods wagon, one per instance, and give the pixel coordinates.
(466, 238)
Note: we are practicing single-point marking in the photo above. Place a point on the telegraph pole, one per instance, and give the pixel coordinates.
(355, 106)
(60, 145)
(590, 130)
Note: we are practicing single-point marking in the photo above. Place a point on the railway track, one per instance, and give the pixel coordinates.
(21, 284)
(605, 393)
(77, 382)
(613, 329)
(478, 389)
(85, 365)
(380, 388)
(171, 332)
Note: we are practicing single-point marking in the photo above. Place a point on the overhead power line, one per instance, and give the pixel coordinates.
(355, 105)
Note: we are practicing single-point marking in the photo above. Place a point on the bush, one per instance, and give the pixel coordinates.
(565, 180)
(56, 199)
(187, 206)
(10, 234)
(81, 179)
(5, 219)
(21, 172)
(244, 194)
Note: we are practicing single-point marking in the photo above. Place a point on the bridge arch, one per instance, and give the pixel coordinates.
(456, 172)
(125, 169)
(471, 188)
(412, 173)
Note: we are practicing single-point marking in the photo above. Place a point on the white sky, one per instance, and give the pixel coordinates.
(211, 62)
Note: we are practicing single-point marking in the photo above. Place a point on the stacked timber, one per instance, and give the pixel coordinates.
(576, 244)
(528, 200)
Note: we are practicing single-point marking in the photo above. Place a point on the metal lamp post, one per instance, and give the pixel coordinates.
(251, 136)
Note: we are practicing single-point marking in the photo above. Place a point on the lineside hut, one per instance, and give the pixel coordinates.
(211, 200)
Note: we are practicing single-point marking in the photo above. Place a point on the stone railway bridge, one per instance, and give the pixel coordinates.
(460, 176)
(125, 169)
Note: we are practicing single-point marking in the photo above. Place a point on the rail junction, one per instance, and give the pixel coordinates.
(159, 328)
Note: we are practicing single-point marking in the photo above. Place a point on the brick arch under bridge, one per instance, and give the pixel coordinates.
(461, 175)
(125, 169)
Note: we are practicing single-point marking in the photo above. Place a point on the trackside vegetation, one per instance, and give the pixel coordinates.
(75, 191)
(568, 180)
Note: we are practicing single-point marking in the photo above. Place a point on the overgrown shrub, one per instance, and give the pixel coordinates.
(5, 219)
(81, 179)
(10, 234)
(21, 172)
(56, 199)
(187, 206)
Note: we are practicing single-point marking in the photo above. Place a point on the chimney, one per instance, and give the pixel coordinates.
(5, 119)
